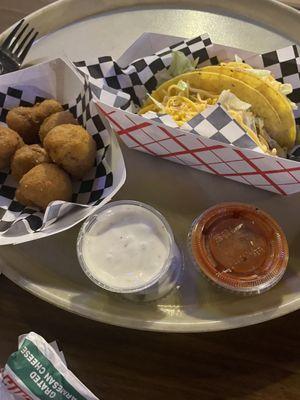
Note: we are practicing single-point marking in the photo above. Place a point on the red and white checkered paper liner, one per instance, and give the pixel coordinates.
(212, 141)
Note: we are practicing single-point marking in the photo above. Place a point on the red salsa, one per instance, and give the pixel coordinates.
(239, 247)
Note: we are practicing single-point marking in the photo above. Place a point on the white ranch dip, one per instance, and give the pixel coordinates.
(125, 248)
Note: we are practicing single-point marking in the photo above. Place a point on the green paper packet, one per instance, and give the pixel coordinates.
(36, 372)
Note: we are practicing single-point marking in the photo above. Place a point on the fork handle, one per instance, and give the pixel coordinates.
(7, 64)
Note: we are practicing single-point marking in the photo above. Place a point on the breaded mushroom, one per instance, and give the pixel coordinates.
(10, 142)
(46, 108)
(27, 120)
(59, 118)
(71, 147)
(43, 184)
(26, 158)
(21, 120)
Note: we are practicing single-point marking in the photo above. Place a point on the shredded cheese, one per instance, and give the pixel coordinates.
(182, 102)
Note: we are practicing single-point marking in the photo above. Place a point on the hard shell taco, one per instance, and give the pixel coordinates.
(275, 92)
(255, 100)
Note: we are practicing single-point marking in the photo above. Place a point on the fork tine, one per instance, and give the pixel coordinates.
(16, 39)
(24, 52)
(19, 48)
(9, 38)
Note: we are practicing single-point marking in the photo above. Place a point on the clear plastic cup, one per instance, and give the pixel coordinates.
(238, 247)
(128, 247)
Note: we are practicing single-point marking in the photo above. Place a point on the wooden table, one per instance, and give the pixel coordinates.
(255, 363)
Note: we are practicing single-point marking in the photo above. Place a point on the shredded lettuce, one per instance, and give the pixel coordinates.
(157, 103)
(182, 85)
(242, 111)
(181, 64)
(264, 74)
(293, 105)
(250, 121)
(231, 102)
(286, 88)
(261, 73)
(264, 137)
(283, 88)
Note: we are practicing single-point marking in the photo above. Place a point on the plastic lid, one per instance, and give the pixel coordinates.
(239, 247)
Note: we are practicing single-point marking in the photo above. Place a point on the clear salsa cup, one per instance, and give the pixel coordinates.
(238, 247)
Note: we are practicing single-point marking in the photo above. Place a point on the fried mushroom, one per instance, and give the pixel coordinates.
(59, 118)
(71, 147)
(26, 158)
(10, 142)
(43, 184)
(26, 121)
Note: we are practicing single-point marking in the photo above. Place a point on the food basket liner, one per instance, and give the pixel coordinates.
(56, 79)
(211, 141)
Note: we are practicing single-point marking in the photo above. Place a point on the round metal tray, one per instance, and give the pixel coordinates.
(49, 269)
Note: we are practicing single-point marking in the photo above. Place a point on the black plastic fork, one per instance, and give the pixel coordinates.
(15, 47)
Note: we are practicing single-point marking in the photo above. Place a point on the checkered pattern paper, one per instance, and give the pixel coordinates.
(212, 141)
(213, 123)
(141, 76)
(18, 220)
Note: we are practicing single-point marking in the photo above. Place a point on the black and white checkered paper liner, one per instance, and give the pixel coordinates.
(86, 193)
(284, 65)
(126, 88)
(213, 123)
(140, 77)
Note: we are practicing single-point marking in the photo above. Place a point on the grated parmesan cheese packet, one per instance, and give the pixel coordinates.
(37, 371)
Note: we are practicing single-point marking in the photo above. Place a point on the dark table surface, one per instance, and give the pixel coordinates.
(258, 362)
(253, 363)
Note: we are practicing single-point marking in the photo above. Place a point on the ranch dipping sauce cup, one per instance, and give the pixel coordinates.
(238, 247)
(128, 247)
